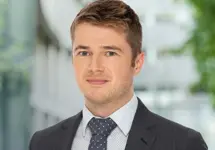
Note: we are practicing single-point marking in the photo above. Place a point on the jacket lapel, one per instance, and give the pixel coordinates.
(141, 135)
(67, 134)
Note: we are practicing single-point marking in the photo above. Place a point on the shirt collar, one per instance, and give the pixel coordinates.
(87, 116)
(123, 117)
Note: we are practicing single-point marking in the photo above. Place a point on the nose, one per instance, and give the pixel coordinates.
(96, 64)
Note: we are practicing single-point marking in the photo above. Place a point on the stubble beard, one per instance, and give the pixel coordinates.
(113, 94)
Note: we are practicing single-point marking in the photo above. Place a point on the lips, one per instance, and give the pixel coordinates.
(96, 81)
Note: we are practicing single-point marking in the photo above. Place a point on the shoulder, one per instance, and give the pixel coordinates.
(188, 138)
(51, 132)
(167, 125)
(55, 128)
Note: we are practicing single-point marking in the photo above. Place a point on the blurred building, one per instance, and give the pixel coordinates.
(162, 85)
(54, 92)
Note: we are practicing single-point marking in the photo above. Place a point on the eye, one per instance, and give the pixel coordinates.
(110, 53)
(83, 53)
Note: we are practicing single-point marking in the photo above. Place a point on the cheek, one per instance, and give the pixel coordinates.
(78, 70)
(121, 73)
(80, 65)
(116, 63)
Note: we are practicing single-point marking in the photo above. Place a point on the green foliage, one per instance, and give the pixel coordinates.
(3, 25)
(202, 45)
(15, 55)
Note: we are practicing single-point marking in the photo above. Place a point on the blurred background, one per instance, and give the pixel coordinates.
(37, 84)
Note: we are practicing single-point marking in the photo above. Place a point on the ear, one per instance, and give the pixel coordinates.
(71, 54)
(139, 61)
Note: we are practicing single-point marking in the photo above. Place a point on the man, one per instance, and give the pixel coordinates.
(106, 45)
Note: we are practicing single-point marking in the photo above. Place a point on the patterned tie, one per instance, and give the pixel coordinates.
(100, 129)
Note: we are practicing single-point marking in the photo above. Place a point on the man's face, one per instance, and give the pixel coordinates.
(102, 63)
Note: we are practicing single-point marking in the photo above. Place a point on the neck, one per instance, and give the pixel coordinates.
(106, 109)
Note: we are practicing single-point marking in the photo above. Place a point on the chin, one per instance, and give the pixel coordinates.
(96, 98)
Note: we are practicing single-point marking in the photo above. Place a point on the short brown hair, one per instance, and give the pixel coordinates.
(114, 14)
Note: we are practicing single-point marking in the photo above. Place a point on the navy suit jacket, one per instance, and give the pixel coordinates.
(149, 131)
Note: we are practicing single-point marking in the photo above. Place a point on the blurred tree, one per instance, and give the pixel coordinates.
(201, 44)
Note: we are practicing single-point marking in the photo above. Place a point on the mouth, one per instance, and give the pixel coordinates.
(97, 82)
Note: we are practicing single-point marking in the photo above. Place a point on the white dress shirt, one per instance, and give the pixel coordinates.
(117, 140)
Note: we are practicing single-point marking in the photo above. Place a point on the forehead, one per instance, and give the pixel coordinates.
(86, 32)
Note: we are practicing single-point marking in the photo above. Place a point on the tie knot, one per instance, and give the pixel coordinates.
(101, 127)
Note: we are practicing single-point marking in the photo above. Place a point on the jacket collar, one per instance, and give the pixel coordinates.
(141, 135)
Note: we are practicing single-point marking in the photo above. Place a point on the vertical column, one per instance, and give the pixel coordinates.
(40, 73)
(52, 69)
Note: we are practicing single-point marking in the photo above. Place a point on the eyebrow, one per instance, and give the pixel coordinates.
(112, 47)
(108, 47)
(81, 47)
